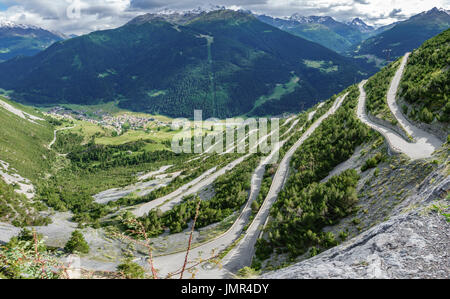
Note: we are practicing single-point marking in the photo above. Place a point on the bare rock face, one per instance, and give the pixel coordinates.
(415, 243)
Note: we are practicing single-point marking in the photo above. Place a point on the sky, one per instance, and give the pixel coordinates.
(83, 16)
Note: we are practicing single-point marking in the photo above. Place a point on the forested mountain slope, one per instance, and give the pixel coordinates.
(224, 62)
(426, 82)
(406, 35)
(326, 31)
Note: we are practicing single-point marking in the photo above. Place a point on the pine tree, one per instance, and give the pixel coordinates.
(77, 243)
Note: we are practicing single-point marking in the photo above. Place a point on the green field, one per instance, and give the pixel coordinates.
(323, 66)
(279, 91)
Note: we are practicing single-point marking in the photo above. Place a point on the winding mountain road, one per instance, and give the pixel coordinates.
(175, 196)
(167, 202)
(425, 143)
(172, 262)
(241, 255)
(54, 136)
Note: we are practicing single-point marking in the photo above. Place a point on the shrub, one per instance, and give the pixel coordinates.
(263, 250)
(77, 243)
(248, 272)
(373, 162)
(426, 116)
(131, 270)
(314, 251)
(26, 257)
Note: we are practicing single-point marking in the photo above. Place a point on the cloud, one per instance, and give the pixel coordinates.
(364, 2)
(82, 16)
(396, 13)
(190, 4)
(70, 16)
(147, 4)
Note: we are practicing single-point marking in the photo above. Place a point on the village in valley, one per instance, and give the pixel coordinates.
(118, 122)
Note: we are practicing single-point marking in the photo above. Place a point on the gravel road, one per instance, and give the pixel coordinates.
(425, 144)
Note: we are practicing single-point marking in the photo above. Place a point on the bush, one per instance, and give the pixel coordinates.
(27, 257)
(373, 162)
(131, 270)
(77, 243)
(314, 251)
(248, 272)
(426, 116)
(263, 249)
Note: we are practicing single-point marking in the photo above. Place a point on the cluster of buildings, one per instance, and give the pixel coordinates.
(119, 123)
(126, 120)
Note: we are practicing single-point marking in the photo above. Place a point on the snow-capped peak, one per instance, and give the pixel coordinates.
(10, 24)
(360, 25)
(311, 19)
(6, 24)
(434, 10)
(358, 21)
(196, 11)
(439, 9)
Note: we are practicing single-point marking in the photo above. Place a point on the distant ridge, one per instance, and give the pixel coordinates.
(223, 62)
(24, 40)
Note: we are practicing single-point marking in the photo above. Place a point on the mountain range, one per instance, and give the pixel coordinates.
(405, 36)
(356, 38)
(323, 30)
(224, 62)
(26, 40)
(359, 186)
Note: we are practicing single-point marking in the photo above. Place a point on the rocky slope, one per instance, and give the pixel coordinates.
(414, 243)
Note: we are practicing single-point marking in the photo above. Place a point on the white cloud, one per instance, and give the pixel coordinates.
(70, 16)
(62, 15)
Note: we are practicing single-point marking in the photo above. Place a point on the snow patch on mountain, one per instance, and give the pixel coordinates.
(12, 25)
(311, 19)
(359, 24)
(6, 24)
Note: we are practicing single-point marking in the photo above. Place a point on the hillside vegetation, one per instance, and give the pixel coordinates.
(305, 207)
(22, 143)
(426, 82)
(377, 88)
(17, 209)
(23, 157)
